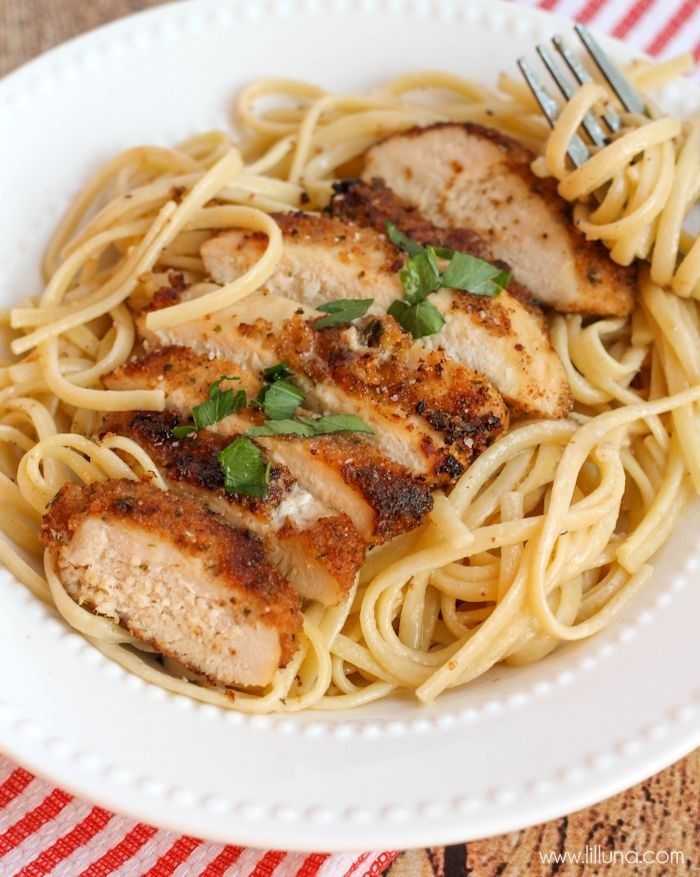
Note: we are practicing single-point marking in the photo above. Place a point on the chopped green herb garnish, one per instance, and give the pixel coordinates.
(420, 319)
(342, 311)
(336, 423)
(311, 426)
(474, 275)
(245, 469)
(280, 400)
(420, 276)
(280, 427)
(214, 388)
(219, 404)
(277, 372)
(183, 430)
(214, 410)
(399, 239)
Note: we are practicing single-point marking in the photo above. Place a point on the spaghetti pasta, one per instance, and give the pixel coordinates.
(545, 538)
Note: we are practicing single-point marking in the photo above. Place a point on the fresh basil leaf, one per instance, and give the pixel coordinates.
(336, 423)
(419, 319)
(399, 239)
(280, 427)
(310, 426)
(183, 430)
(277, 372)
(214, 388)
(420, 276)
(245, 469)
(501, 280)
(444, 252)
(342, 311)
(281, 400)
(220, 405)
(474, 275)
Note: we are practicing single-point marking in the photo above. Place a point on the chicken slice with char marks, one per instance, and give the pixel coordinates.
(468, 176)
(427, 413)
(345, 470)
(325, 258)
(317, 550)
(372, 205)
(176, 577)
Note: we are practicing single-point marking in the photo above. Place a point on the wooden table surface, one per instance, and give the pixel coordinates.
(660, 814)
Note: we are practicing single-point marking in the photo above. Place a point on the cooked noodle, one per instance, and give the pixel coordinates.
(549, 533)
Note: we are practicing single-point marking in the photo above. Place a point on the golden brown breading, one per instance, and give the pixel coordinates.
(373, 204)
(152, 555)
(345, 470)
(325, 258)
(468, 176)
(391, 373)
(402, 432)
(318, 550)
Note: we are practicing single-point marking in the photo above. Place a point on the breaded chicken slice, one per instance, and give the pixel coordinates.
(373, 204)
(316, 549)
(426, 412)
(468, 176)
(176, 577)
(325, 258)
(345, 471)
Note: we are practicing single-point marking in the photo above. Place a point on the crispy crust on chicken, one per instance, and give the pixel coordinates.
(427, 413)
(176, 576)
(459, 404)
(373, 204)
(468, 176)
(319, 551)
(326, 258)
(345, 470)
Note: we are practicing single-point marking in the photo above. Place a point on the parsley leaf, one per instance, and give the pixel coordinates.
(420, 319)
(183, 430)
(214, 388)
(336, 423)
(420, 276)
(399, 239)
(342, 311)
(277, 372)
(245, 469)
(280, 427)
(219, 404)
(281, 400)
(474, 275)
(311, 426)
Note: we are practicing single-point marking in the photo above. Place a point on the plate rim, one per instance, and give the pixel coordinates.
(22, 753)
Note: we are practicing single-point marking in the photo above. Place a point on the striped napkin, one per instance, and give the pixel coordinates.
(45, 831)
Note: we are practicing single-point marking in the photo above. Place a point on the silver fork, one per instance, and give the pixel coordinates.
(578, 150)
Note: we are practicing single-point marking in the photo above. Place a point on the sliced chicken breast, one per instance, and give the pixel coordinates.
(176, 577)
(325, 258)
(428, 413)
(345, 471)
(468, 176)
(317, 550)
(372, 205)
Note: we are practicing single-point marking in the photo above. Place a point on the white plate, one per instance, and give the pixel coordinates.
(515, 748)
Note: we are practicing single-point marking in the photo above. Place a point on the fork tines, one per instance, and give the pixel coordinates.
(578, 150)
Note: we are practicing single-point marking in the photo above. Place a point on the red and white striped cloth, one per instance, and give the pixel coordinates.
(662, 28)
(45, 831)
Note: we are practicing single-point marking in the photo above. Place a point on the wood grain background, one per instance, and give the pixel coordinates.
(662, 813)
